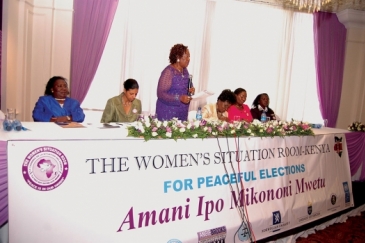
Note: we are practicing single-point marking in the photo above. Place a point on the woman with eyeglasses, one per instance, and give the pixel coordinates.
(218, 110)
(240, 111)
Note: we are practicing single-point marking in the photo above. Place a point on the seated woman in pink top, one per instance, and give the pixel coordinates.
(240, 111)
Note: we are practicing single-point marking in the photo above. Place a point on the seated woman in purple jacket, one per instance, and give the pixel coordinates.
(55, 106)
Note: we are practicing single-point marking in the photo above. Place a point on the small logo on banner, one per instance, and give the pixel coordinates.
(338, 146)
(244, 232)
(213, 235)
(277, 223)
(333, 199)
(45, 168)
(276, 217)
(347, 192)
(310, 209)
(174, 241)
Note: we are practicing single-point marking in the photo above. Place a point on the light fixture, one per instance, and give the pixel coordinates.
(310, 5)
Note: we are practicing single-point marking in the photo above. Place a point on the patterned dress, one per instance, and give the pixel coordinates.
(171, 85)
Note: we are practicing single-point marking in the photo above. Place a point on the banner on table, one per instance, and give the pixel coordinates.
(174, 191)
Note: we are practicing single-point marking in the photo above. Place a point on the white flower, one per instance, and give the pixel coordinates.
(195, 135)
(168, 134)
(182, 129)
(214, 133)
(134, 110)
(158, 124)
(147, 124)
(205, 129)
(256, 122)
(154, 134)
(146, 117)
(261, 130)
(249, 130)
(233, 131)
(165, 123)
(196, 123)
(142, 130)
(188, 126)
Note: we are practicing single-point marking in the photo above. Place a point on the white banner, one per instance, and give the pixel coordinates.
(173, 191)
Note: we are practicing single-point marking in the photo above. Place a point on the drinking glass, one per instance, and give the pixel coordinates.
(325, 122)
(11, 114)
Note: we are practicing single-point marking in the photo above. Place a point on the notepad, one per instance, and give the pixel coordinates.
(202, 94)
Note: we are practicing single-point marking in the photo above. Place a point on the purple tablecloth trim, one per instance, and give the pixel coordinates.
(356, 149)
(3, 183)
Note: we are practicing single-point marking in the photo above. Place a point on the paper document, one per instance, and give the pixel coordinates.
(202, 94)
(70, 124)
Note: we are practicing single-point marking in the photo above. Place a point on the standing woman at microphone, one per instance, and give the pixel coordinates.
(173, 92)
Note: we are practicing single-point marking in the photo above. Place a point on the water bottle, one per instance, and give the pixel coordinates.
(17, 125)
(199, 115)
(263, 116)
(7, 124)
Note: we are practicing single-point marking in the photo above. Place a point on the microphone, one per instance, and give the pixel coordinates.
(190, 85)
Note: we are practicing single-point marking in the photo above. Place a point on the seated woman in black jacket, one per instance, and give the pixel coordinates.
(261, 104)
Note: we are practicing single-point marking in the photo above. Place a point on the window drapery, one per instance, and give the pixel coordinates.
(257, 47)
(90, 30)
(330, 45)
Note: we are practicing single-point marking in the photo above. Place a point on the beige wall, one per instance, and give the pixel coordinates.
(37, 41)
(352, 106)
(36, 45)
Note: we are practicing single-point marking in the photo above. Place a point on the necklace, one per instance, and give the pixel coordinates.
(127, 103)
(59, 99)
(180, 71)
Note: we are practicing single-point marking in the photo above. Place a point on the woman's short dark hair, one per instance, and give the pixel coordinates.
(227, 95)
(130, 84)
(239, 91)
(256, 101)
(177, 51)
(50, 84)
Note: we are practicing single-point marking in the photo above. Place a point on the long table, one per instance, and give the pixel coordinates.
(98, 185)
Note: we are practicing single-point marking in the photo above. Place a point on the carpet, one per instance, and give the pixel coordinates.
(352, 231)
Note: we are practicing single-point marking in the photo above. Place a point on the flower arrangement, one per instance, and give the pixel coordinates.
(356, 127)
(149, 127)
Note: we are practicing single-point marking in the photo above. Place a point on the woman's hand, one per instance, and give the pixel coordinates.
(222, 118)
(192, 91)
(185, 99)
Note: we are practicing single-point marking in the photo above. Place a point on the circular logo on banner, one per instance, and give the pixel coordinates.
(45, 168)
(174, 241)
